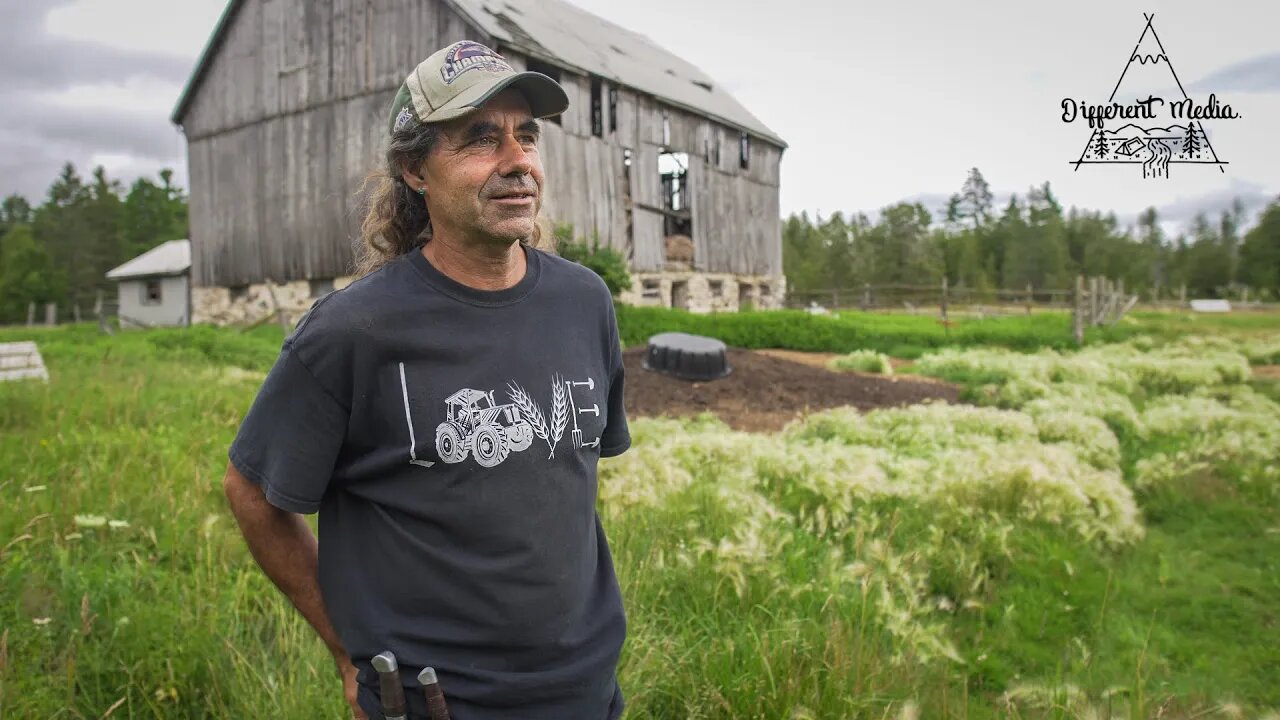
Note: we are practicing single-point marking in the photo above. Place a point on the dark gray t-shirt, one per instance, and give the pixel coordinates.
(448, 437)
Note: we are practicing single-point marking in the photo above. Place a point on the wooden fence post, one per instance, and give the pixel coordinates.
(51, 313)
(1121, 298)
(866, 296)
(1093, 300)
(1028, 298)
(1077, 311)
(31, 313)
(945, 326)
(1182, 295)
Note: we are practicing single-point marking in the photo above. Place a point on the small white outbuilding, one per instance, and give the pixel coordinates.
(154, 288)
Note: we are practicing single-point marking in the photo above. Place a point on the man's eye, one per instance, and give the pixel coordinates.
(482, 141)
(529, 139)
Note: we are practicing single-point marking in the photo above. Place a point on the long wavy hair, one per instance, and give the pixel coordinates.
(396, 220)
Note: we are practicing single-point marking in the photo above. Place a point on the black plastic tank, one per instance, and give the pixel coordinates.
(690, 357)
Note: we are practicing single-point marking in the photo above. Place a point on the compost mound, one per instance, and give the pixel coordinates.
(765, 392)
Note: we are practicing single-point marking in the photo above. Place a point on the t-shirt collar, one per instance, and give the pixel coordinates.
(477, 296)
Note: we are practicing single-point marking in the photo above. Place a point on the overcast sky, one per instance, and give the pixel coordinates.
(879, 101)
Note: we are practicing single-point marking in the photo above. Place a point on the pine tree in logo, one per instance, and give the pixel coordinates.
(559, 410)
(1191, 144)
(1100, 146)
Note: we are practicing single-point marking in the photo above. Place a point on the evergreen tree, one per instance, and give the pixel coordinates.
(1260, 252)
(1190, 142)
(26, 274)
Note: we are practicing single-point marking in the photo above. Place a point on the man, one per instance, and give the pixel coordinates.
(444, 414)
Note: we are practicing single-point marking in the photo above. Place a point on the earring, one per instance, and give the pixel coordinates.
(422, 190)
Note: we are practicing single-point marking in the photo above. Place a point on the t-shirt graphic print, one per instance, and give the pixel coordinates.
(489, 430)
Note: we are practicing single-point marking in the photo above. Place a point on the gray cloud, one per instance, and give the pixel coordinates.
(39, 135)
(1260, 74)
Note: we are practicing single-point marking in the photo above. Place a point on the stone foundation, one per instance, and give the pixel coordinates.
(250, 303)
(689, 290)
(704, 292)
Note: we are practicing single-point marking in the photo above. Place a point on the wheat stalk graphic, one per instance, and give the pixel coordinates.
(529, 408)
(559, 410)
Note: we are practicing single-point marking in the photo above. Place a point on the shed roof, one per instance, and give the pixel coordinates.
(170, 258)
(558, 32)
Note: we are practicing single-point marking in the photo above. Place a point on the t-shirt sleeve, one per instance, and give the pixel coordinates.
(616, 438)
(290, 438)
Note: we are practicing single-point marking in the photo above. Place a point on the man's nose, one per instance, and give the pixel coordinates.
(515, 160)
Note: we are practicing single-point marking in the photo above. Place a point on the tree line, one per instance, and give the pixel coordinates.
(60, 250)
(1032, 241)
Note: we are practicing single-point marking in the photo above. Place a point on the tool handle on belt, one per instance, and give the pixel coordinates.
(394, 706)
(435, 696)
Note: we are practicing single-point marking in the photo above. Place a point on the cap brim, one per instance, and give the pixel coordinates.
(544, 95)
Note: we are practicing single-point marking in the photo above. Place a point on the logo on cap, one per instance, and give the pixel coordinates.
(469, 55)
(403, 118)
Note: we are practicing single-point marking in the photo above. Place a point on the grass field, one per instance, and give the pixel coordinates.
(1099, 536)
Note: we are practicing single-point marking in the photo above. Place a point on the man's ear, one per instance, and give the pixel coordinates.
(413, 180)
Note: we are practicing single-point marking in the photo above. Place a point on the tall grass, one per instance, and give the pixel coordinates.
(1096, 538)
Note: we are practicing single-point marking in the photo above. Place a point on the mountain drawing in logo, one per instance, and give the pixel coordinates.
(1155, 148)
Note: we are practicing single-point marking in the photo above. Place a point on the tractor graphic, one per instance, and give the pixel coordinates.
(476, 424)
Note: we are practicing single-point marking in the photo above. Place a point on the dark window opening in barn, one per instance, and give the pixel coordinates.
(238, 292)
(320, 288)
(666, 130)
(651, 288)
(151, 292)
(597, 108)
(673, 170)
(716, 287)
(613, 109)
(550, 71)
(744, 296)
(744, 151)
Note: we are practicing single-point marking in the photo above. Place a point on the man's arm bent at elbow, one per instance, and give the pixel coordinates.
(288, 552)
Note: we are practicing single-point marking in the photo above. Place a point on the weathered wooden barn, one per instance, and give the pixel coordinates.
(285, 114)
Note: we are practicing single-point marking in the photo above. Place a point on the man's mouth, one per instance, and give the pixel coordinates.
(514, 198)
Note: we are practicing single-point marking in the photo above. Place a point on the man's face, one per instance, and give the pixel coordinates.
(484, 178)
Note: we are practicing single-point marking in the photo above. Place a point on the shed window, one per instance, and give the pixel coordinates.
(550, 71)
(744, 151)
(151, 292)
(666, 130)
(597, 108)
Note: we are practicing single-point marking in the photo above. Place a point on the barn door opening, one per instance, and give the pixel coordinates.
(673, 168)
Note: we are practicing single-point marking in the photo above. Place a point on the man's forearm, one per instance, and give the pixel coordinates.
(287, 551)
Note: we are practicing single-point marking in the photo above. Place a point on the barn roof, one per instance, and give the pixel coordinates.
(556, 31)
(568, 36)
(170, 258)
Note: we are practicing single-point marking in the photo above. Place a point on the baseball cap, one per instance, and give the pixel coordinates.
(460, 78)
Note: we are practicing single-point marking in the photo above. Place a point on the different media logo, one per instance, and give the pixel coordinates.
(1166, 132)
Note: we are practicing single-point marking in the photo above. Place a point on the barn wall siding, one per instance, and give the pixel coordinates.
(291, 116)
